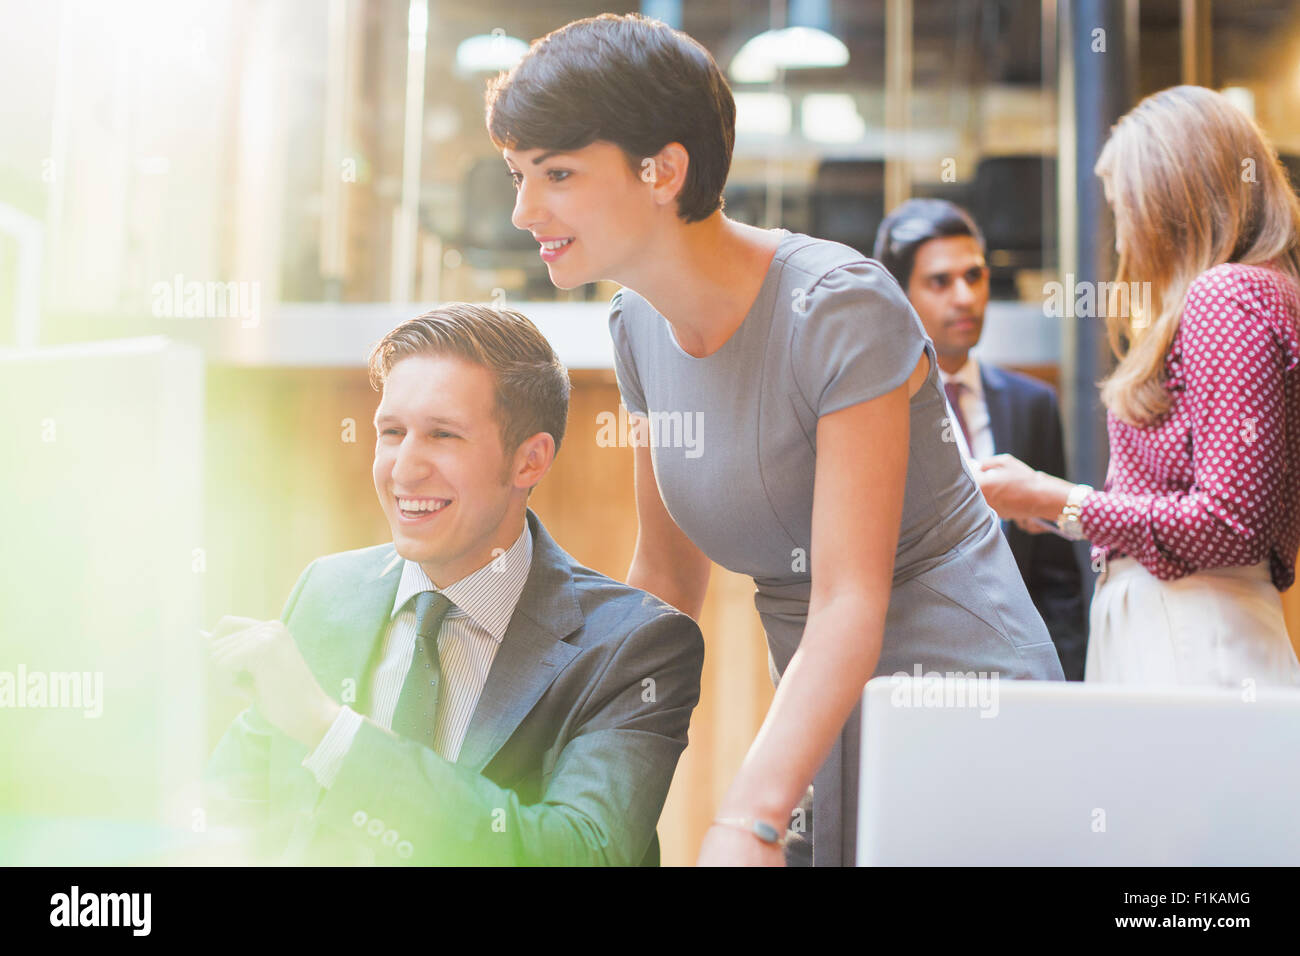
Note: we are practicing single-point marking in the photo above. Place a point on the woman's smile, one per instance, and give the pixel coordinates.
(553, 248)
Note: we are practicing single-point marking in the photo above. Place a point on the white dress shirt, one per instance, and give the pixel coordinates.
(973, 407)
(471, 633)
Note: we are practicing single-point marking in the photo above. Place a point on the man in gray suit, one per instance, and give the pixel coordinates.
(468, 694)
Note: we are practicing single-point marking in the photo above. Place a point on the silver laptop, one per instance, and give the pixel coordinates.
(1050, 773)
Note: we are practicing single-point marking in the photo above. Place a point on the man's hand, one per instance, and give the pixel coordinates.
(261, 660)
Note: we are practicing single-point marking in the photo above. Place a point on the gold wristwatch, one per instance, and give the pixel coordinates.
(1067, 522)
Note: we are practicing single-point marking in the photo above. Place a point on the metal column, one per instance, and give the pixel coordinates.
(1094, 89)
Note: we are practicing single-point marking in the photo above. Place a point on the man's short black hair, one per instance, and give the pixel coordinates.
(915, 223)
(626, 80)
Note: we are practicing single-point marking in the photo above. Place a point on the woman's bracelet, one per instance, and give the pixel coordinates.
(759, 828)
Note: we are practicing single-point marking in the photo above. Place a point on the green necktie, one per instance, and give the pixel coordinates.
(416, 716)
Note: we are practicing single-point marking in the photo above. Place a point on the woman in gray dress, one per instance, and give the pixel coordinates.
(789, 397)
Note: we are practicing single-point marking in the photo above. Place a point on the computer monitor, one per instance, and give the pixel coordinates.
(1054, 773)
(101, 564)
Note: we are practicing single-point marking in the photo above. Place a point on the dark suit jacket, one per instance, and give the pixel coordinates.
(1026, 422)
(567, 759)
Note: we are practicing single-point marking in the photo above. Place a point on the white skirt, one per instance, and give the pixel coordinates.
(1222, 626)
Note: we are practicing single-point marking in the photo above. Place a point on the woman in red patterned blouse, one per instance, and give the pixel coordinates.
(1197, 527)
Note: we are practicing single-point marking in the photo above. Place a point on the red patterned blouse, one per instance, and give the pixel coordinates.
(1216, 481)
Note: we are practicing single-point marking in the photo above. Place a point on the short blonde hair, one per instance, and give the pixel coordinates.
(532, 385)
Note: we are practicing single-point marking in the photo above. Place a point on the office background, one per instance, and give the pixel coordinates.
(324, 162)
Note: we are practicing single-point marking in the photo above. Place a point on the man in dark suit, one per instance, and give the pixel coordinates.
(469, 693)
(936, 252)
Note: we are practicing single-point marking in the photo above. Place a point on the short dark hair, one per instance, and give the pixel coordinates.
(626, 80)
(915, 223)
(532, 386)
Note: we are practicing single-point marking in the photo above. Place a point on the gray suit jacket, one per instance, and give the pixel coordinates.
(567, 759)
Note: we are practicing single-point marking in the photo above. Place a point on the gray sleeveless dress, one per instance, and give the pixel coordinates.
(734, 445)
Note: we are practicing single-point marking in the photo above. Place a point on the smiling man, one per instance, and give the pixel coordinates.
(469, 693)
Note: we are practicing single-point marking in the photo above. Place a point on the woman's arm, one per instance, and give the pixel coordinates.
(666, 562)
(1236, 399)
(861, 473)
(1235, 396)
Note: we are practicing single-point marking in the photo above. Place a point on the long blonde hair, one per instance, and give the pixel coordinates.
(1193, 183)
